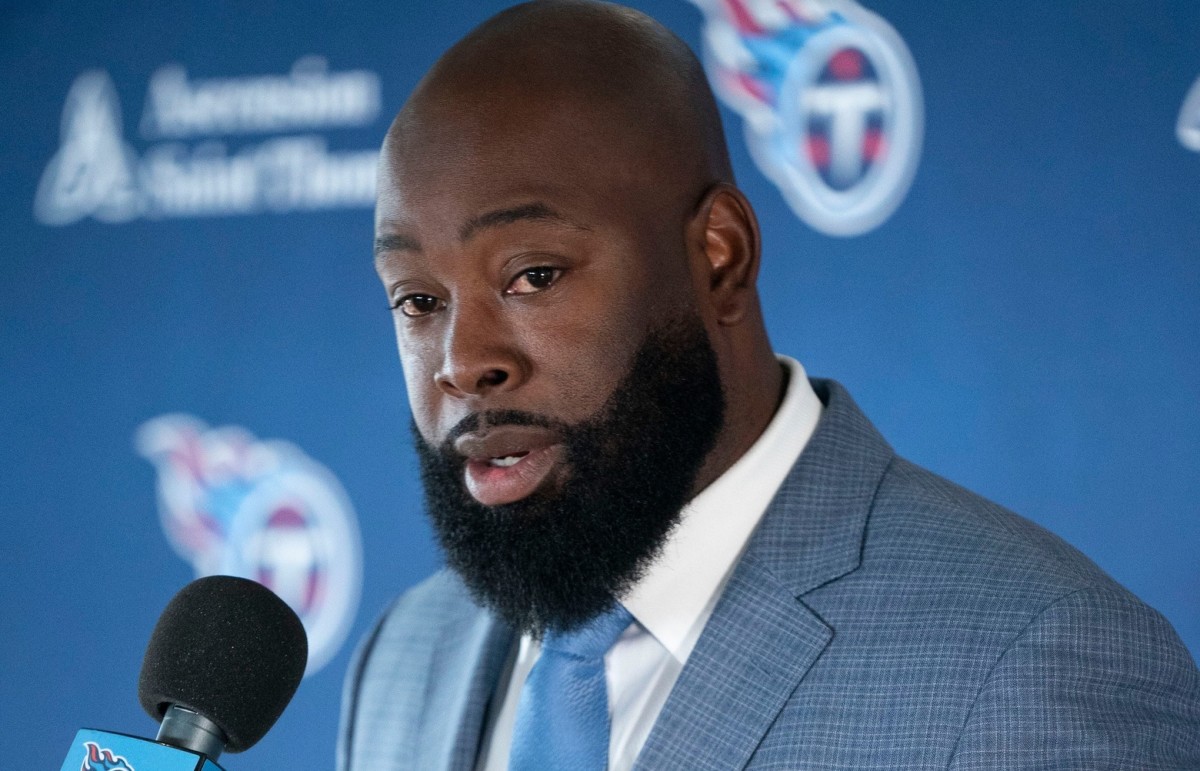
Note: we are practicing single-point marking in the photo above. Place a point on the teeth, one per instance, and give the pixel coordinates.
(505, 462)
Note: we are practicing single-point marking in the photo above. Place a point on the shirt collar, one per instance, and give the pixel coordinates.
(675, 598)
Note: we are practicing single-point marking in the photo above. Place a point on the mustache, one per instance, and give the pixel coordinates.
(494, 418)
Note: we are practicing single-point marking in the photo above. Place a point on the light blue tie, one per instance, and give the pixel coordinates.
(562, 715)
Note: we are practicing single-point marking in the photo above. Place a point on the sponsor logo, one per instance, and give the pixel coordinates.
(1188, 127)
(100, 759)
(231, 504)
(97, 173)
(831, 103)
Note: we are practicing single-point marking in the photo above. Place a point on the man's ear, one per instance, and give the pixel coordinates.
(725, 239)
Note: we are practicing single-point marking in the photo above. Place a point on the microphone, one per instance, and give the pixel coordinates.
(223, 662)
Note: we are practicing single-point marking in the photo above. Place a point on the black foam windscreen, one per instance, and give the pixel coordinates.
(228, 649)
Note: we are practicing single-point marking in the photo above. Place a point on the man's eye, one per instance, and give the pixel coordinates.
(533, 280)
(415, 305)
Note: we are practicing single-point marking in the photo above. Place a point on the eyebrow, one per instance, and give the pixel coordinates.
(537, 212)
(395, 243)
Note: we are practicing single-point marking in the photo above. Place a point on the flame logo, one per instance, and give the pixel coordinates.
(101, 759)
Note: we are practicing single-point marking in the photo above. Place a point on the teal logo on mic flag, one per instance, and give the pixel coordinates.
(99, 758)
(95, 750)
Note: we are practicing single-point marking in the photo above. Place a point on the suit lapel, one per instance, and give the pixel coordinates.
(761, 638)
(735, 683)
(467, 667)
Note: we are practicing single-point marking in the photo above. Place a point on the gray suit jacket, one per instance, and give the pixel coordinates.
(881, 618)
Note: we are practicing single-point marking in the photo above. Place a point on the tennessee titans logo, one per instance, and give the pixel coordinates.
(234, 505)
(100, 759)
(831, 102)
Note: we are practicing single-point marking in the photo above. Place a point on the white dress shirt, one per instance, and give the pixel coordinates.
(673, 601)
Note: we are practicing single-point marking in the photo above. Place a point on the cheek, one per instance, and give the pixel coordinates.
(418, 367)
(578, 361)
(584, 347)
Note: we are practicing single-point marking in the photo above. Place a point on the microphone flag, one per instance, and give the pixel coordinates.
(95, 750)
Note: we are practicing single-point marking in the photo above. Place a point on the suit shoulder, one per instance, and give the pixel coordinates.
(1002, 624)
(1096, 678)
(406, 639)
(972, 568)
(423, 639)
(422, 614)
(953, 531)
(416, 618)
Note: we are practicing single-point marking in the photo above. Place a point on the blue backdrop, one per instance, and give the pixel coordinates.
(1025, 323)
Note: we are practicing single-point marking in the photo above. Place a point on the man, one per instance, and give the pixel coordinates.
(666, 548)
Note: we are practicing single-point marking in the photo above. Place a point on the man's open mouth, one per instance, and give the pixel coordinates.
(508, 463)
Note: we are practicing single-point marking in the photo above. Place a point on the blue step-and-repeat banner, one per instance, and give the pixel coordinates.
(983, 218)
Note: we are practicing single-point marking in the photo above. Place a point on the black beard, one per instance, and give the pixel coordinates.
(562, 556)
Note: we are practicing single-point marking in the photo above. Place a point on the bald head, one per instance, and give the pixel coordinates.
(605, 79)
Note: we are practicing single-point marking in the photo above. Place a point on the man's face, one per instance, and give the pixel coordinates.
(526, 261)
(529, 266)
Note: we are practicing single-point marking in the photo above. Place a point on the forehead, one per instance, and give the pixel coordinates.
(474, 149)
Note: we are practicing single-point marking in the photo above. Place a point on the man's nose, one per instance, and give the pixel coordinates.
(480, 355)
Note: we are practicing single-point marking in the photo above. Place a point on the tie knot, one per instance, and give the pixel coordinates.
(593, 639)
